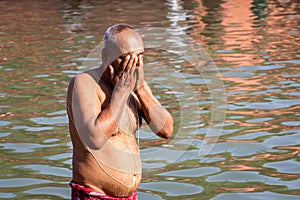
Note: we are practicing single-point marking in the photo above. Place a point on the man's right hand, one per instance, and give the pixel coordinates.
(125, 77)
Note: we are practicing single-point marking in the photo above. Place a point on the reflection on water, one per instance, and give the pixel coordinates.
(254, 44)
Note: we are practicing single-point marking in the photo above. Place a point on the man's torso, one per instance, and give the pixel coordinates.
(115, 169)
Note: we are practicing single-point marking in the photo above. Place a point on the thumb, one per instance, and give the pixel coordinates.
(111, 72)
(113, 78)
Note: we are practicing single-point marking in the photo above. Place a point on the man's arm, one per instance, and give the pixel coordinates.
(156, 116)
(94, 125)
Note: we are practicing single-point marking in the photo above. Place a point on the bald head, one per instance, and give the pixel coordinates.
(112, 31)
(120, 39)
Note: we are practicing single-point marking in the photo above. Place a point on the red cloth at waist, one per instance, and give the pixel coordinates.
(80, 192)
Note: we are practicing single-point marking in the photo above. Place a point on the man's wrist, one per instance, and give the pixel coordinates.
(121, 91)
(141, 90)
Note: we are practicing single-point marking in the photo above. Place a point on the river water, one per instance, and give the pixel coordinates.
(237, 127)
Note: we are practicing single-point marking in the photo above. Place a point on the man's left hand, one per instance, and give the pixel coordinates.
(140, 73)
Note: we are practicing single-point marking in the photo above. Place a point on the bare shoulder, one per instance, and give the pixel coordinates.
(83, 79)
(91, 76)
(86, 86)
(88, 78)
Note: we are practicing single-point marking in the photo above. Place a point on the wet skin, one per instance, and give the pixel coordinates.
(104, 105)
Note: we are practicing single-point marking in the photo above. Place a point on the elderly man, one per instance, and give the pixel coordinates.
(105, 106)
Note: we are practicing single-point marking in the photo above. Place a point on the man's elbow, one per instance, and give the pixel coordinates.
(96, 138)
(166, 134)
(96, 143)
(167, 130)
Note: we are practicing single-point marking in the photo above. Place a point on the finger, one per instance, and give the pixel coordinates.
(140, 61)
(130, 63)
(134, 65)
(123, 66)
(135, 62)
(140, 68)
(111, 72)
(112, 76)
(136, 73)
(134, 69)
(116, 80)
(130, 71)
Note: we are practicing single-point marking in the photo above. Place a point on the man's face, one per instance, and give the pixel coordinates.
(130, 43)
(117, 62)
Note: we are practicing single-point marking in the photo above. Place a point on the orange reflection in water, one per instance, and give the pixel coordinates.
(239, 34)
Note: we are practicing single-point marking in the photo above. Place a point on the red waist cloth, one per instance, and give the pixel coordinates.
(80, 192)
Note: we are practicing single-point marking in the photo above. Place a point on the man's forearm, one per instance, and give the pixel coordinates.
(156, 116)
(109, 118)
(147, 100)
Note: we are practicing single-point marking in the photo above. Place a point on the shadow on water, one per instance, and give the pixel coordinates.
(254, 44)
